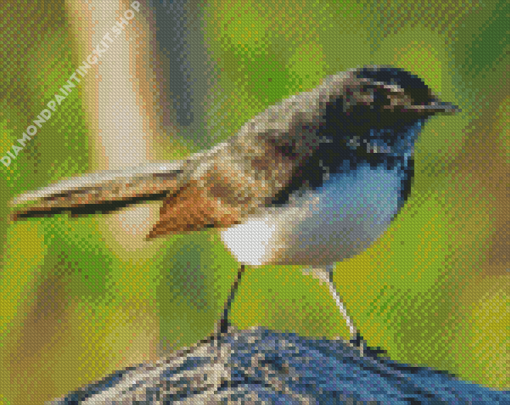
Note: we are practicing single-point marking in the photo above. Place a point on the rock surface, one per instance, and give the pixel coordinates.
(258, 366)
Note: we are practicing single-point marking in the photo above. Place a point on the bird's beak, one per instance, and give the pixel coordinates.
(438, 106)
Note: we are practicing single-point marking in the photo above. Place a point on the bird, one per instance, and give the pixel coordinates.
(313, 180)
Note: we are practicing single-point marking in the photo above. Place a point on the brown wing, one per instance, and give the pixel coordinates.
(246, 173)
(215, 189)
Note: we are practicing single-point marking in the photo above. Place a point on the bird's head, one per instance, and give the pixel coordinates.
(384, 109)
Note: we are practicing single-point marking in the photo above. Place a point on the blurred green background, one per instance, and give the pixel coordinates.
(432, 291)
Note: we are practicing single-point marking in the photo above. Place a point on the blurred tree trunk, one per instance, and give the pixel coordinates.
(141, 93)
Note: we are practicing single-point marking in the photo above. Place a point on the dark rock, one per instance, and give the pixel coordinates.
(258, 366)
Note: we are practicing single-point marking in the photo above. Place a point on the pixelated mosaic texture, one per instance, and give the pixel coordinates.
(266, 367)
(84, 296)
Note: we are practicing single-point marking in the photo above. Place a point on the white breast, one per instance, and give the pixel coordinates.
(323, 226)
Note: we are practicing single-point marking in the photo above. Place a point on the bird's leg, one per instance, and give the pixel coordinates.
(325, 275)
(223, 324)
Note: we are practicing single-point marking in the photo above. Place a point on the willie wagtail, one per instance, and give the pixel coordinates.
(310, 181)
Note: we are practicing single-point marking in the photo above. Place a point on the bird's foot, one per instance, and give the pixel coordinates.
(359, 343)
(221, 328)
